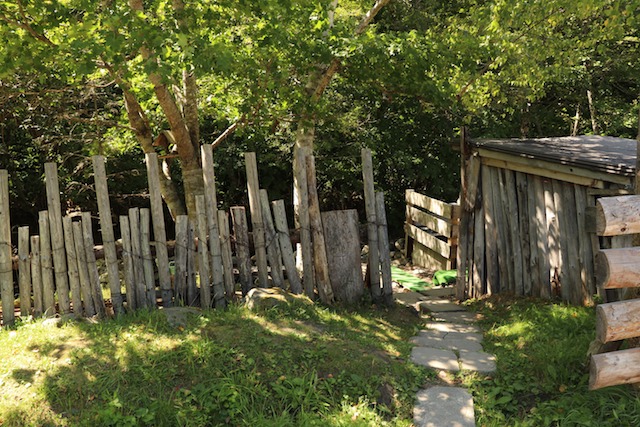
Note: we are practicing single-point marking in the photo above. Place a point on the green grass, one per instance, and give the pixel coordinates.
(304, 365)
(542, 376)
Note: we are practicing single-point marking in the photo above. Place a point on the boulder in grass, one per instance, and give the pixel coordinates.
(259, 299)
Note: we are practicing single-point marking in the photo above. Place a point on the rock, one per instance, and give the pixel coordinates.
(265, 298)
(178, 316)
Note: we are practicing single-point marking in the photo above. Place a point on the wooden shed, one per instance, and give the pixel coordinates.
(525, 226)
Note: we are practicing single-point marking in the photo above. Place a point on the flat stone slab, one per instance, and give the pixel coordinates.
(439, 306)
(444, 407)
(453, 327)
(455, 317)
(439, 292)
(409, 299)
(447, 344)
(478, 361)
(435, 358)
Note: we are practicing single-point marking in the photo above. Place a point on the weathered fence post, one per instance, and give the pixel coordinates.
(241, 234)
(92, 267)
(46, 262)
(372, 225)
(24, 271)
(385, 257)
(72, 265)
(180, 276)
(6, 269)
(108, 238)
(253, 188)
(83, 271)
(203, 254)
(127, 261)
(301, 213)
(148, 291)
(36, 277)
(227, 261)
(288, 257)
(273, 248)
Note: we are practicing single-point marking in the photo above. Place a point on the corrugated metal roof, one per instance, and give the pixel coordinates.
(601, 153)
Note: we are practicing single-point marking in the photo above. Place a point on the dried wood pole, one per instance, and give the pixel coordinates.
(127, 261)
(385, 257)
(6, 268)
(273, 248)
(192, 290)
(253, 188)
(301, 205)
(180, 276)
(320, 264)
(36, 277)
(159, 233)
(140, 288)
(288, 257)
(227, 261)
(89, 308)
(24, 271)
(203, 254)
(211, 206)
(72, 265)
(92, 267)
(148, 292)
(56, 234)
(46, 262)
(372, 225)
(241, 235)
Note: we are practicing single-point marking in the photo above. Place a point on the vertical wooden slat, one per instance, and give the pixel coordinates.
(106, 228)
(72, 265)
(408, 243)
(500, 230)
(522, 190)
(140, 284)
(534, 257)
(148, 293)
(301, 212)
(385, 257)
(479, 247)
(588, 288)
(24, 271)
(180, 276)
(127, 261)
(88, 306)
(563, 236)
(274, 254)
(192, 290)
(36, 277)
(467, 271)
(159, 233)
(507, 240)
(542, 238)
(282, 228)
(94, 275)
(511, 198)
(46, 263)
(553, 238)
(56, 235)
(573, 242)
(225, 246)
(203, 254)
(243, 255)
(211, 207)
(253, 188)
(372, 230)
(6, 267)
(490, 232)
(320, 263)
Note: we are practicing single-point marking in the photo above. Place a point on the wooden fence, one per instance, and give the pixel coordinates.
(57, 272)
(431, 231)
(617, 268)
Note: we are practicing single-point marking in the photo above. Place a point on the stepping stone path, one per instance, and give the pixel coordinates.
(450, 342)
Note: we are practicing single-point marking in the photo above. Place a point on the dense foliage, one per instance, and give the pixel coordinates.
(404, 86)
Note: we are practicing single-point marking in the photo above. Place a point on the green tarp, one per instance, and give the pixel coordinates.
(409, 281)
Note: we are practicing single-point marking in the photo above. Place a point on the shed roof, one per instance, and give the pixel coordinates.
(599, 153)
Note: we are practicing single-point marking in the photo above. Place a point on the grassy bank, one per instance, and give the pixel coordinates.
(307, 365)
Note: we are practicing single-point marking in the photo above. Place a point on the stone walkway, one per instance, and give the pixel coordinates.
(450, 342)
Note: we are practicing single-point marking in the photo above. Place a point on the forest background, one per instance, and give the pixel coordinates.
(85, 77)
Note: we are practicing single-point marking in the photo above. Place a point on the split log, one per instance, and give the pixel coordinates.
(385, 257)
(274, 254)
(146, 290)
(92, 267)
(127, 261)
(24, 276)
(490, 232)
(219, 273)
(72, 265)
(180, 275)
(288, 257)
(372, 229)
(192, 289)
(203, 255)
(228, 288)
(618, 320)
(241, 234)
(618, 215)
(253, 188)
(618, 268)
(88, 307)
(301, 206)
(36, 277)
(618, 367)
(46, 263)
(6, 270)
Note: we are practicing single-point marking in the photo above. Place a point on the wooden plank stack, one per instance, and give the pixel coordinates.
(616, 269)
(58, 271)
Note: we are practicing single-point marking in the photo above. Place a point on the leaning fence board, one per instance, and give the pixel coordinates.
(253, 188)
(618, 268)
(203, 254)
(36, 277)
(149, 289)
(274, 254)
(618, 367)
(94, 275)
(6, 269)
(441, 226)
(435, 206)
(46, 262)
(301, 213)
(321, 267)
(288, 257)
(24, 271)
(72, 266)
(127, 261)
(220, 290)
(180, 275)
(57, 237)
(241, 234)
(106, 228)
(618, 320)
(211, 207)
(385, 257)
(88, 306)
(159, 233)
(372, 231)
(618, 215)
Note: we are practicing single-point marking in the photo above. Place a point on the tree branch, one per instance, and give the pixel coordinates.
(25, 26)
